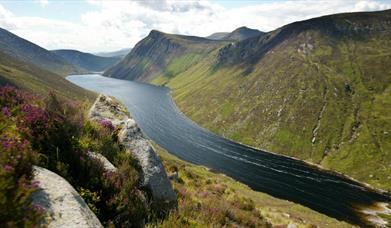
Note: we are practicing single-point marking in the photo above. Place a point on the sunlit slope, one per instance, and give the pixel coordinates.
(24, 50)
(163, 54)
(318, 90)
(33, 78)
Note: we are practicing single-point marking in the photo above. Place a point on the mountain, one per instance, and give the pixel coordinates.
(28, 76)
(318, 90)
(238, 34)
(162, 54)
(24, 50)
(218, 36)
(120, 53)
(87, 61)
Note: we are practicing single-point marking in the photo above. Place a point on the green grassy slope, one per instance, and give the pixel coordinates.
(201, 188)
(33, 78)
(318, 90)
(26, 51)
(87, 61)
(163, 54)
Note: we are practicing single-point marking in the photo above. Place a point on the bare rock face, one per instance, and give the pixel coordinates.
(64, 206)
(153, 175)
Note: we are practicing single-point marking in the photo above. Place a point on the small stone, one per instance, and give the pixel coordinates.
(106, 163)
(291, 225)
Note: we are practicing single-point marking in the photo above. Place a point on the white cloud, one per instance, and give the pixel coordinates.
(43, 3)
(119, 24)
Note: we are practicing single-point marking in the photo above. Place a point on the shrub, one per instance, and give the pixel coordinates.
(129, 203)
(16, 187)
(16, 160)
(54, 134)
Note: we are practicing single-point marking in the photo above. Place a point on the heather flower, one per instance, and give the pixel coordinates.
(107, 124)
(37, 207)
(35, 184)
(34, 118)
(11, 96)
(8, 168)
(6, 111)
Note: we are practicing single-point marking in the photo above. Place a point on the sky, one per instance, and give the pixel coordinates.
(109, 25)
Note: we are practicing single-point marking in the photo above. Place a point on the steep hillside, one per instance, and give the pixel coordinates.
(318, 90)
(162, 54)
(87, 61)
(26, 51)
(38, 80)
(120, 53)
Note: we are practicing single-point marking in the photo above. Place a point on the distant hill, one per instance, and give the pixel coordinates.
(238, 34)
(218, 35)
(24, 50)
(155, 55)
(120, 53)
(28, 76)
(318, 90)
(90, 62)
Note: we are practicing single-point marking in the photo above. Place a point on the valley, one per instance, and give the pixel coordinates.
(317, 90)
(282, 127)
(263, 171)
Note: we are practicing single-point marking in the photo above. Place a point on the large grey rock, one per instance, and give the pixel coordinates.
(153, 175)
(64, 206)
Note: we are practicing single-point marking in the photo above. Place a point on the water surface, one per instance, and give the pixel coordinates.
(277, 175)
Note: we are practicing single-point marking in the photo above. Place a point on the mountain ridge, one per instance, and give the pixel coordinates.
(119, 53)
(87, 61)
(334, 25)
(154, 53)
(29, 52)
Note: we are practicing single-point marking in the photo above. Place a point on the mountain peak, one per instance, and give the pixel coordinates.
(156, 33)
(243, 28)
(238, 34)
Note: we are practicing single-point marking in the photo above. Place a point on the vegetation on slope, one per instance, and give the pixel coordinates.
(40, 81)
(318, 90)
(87, 61)
(28, 52)
(54, 134)
(208, 199)
(155, 53)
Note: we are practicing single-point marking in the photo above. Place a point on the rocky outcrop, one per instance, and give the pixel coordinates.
(63, 205)
(105, 108)
(153, 176)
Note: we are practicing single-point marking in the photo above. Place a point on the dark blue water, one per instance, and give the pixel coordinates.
(277, 175)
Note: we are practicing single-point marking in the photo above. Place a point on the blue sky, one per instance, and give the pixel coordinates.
(104, 25)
